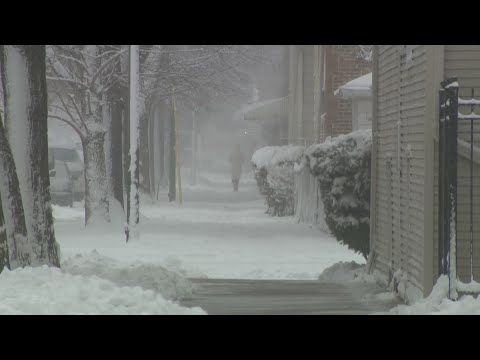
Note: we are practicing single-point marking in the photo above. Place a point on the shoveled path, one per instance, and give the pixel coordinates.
(286, 297)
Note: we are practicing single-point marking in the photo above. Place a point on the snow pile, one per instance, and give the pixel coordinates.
(437, 303)
(404, 288)
(48, 291)
(342, 167)
(169, 284)
(274, 171)
(346, 272)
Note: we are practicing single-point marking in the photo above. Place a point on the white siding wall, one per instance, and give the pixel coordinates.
(405, 91)
(399, 207)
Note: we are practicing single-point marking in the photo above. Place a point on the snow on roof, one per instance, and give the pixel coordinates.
(356, 87)
(261, 109)
(364, 81)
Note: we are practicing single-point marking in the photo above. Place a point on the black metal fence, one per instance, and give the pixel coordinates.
(458, 123)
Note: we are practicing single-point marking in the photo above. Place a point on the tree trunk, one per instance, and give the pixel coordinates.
(107, 123)
(3, 243)
(144, 154)
(134, 142)
(112, 150)
(26, 113)
(116, 153)
(151, 149)
(14, 246)
(126, 162)
(96, 185)
(194, 149)
(160, 121)
(172, 161)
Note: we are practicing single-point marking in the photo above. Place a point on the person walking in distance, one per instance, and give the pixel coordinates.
(236, 161)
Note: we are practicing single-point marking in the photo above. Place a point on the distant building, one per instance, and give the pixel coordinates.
(359, 91)
(315, 72)
(308, 111)
(266, 118)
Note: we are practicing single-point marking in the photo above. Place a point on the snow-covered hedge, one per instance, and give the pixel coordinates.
(273, 169)
(342, 167)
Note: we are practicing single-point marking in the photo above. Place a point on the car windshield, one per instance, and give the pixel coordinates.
(69, 155)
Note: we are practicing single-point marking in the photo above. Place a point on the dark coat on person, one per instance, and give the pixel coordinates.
(236, 161)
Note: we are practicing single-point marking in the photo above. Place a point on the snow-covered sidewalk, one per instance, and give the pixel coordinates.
(215, 233)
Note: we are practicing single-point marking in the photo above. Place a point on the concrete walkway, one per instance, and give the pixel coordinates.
(286, 297)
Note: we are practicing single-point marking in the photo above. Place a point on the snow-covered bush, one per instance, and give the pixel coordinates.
(342, 167)
(273, 169)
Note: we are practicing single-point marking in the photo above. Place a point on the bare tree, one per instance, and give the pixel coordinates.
(81, 77)
(87, 79)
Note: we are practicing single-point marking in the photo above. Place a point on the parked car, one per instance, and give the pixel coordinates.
(61, 185)
(68, 182)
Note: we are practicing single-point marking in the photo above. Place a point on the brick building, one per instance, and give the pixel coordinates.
(342, 64)
(315, 73)
(307, 110)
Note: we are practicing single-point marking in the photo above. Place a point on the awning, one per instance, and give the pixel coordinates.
(265, 111)
(360, 87)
